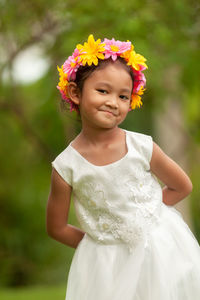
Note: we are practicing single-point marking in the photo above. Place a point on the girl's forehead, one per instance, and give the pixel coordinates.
(112, 71)
(111, 76)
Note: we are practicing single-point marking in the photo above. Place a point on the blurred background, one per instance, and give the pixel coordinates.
(35, 37)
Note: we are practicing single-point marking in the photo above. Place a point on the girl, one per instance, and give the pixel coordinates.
(133, 244)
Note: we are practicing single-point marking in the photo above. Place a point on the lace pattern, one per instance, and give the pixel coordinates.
(109, 222)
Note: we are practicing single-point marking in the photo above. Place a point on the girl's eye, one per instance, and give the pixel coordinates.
(124, 97)
(102, 91)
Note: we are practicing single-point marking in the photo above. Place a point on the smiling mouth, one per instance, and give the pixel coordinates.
(109, 112)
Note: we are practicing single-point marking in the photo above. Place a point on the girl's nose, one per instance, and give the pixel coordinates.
(112, 101)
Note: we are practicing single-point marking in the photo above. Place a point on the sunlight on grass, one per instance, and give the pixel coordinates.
(32, 293)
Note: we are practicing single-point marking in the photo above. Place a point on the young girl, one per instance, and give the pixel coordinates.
(133, 244)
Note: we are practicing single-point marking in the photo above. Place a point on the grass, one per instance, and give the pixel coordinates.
(34, 293)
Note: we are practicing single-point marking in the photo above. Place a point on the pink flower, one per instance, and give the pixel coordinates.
(115, 48)
(64, 96)
(139, 80)
(75, 53)
(71, 65)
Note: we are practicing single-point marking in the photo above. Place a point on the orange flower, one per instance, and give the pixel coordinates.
(136, 98)
(63, 82)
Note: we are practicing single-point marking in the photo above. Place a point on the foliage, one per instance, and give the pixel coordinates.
(34, 131)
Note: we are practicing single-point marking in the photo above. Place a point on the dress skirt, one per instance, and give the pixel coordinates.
(167, 268)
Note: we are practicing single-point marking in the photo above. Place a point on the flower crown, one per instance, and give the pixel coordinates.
(90, 52)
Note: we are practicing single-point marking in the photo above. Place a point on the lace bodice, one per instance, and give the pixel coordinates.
(118, 202)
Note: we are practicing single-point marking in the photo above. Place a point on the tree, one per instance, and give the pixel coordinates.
(166, 33)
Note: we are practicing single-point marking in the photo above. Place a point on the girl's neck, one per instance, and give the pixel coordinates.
(99, 136)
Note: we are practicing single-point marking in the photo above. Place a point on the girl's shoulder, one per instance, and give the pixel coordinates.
(140, 138)
(143, 143)
(64, 152)
(138, 135)
(63, 164)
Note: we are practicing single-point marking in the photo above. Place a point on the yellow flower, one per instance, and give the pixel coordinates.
(135, 60)
(114, 48)
(136, 98)
(63, 82)
(91, 51)
(126, 55)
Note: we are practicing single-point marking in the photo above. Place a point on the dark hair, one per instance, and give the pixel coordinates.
(84, 72)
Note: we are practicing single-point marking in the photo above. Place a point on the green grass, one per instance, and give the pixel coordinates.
(34, 293)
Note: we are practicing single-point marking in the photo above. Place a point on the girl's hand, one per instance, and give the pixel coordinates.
(178, 184)
(57, 213)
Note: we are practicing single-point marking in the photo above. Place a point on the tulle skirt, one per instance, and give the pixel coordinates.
(167, 269)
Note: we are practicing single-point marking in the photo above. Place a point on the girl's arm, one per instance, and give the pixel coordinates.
(178, 184)
(57, 213)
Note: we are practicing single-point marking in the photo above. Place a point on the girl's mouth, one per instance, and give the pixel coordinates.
(109, 112)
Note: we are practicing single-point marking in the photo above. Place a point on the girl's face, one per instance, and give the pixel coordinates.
(106, 95)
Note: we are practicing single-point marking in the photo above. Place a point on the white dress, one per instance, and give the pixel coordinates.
(135, 247)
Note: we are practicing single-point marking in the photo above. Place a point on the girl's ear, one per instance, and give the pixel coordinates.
(74, 92)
